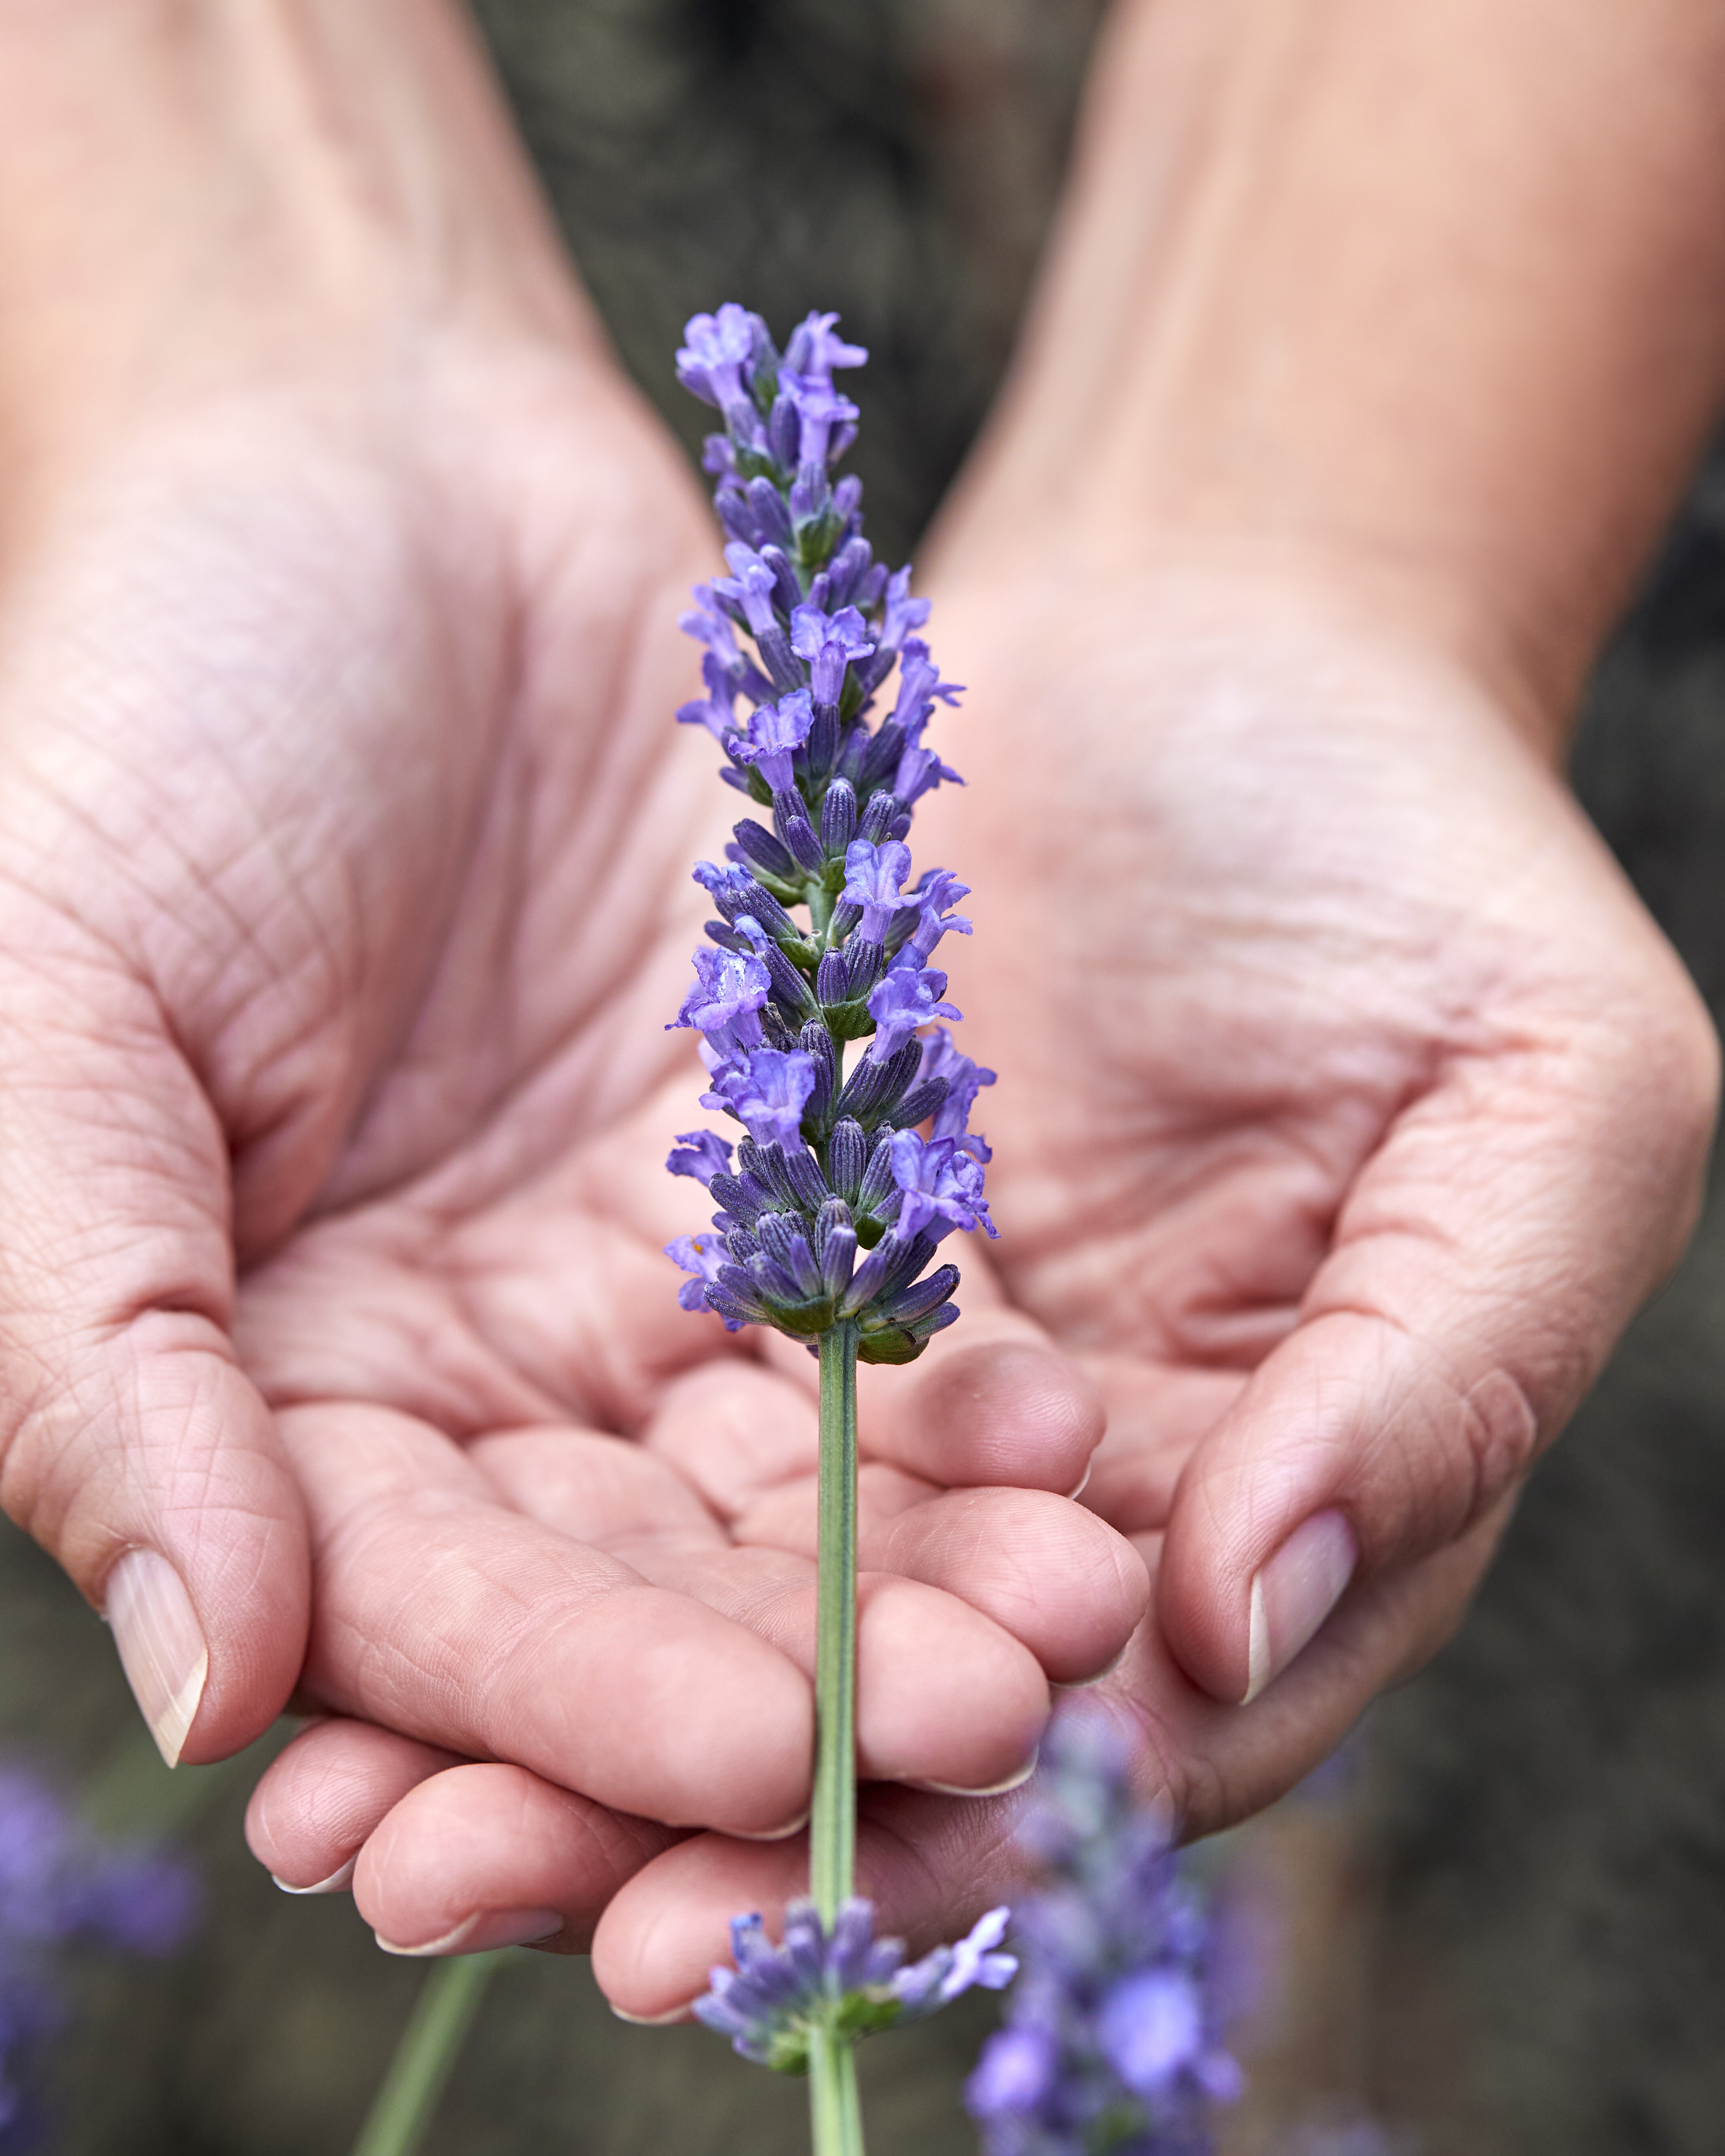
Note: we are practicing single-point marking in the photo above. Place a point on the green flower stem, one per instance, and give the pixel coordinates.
(835, 2117)
(426, 2056)
(832, 1837)
(834, 2113)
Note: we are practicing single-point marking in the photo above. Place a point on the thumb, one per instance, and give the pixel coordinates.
(131, 1444)
(1480, 1272)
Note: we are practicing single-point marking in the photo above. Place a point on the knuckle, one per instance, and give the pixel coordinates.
(1500, 1434)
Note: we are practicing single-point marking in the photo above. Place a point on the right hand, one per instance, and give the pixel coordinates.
(345, 841)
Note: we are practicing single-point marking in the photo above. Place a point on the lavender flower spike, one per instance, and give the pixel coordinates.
(1110, 2036)
(828, 1217)
(769, 2003)
(825, 936)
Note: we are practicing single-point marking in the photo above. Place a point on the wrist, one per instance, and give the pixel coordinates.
(1426, 297)
(194, 201)
(1213, 588)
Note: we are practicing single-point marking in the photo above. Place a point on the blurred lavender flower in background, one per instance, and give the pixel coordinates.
(1111, 2046)
(59, 1886)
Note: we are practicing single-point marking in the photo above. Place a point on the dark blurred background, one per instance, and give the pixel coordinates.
(1510, 1932)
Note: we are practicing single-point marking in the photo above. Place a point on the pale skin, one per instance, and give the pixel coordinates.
(1350, 1103)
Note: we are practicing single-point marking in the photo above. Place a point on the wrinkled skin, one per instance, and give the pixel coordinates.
(348, 893)
(1325, 1023)
(1347, 1105)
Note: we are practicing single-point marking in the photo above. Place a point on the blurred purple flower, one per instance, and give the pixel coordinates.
(61, 1886)
(1111, 2038)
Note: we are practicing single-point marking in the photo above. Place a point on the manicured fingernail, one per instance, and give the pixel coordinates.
(338, 1882)
(653, 2021)
(1015, 1780)
(483, 1934)
(1294, 1592)
(161, 1645)
(772, 1833)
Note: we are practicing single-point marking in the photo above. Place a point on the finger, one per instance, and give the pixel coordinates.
(928, 1864)
(607, 1491)
(134, 1448)
(994, 1405)
(1480, 1273)
(490, 1856)
(1056, 1577)
(1158, 1414)
(319, 1800)
(445, 1616)
(943, 1694)
(1216, 1763)
(931, 1866)
(729, 1429)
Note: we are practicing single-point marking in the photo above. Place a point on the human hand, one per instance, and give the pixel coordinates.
(340, 815)
(1358, 1104)
(1349, 1103)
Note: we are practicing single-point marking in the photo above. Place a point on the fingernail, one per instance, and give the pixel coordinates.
(773, 1833)
(1015, 1780)
(162, 1647)
(653, 2021)
(484, 1932)
(1082, 1484)
(338, 1882)
(1293, 1593)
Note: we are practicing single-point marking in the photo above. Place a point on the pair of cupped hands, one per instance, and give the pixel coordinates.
(1348, 1104)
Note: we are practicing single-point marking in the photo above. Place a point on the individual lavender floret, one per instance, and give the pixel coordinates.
(700, 1154)
(836, 1206)
(1111, 2039)
(59, 1886)
(770, 2001)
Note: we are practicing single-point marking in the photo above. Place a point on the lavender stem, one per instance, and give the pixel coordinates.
(832, 1842)
(834, 2107)
(835, 2113)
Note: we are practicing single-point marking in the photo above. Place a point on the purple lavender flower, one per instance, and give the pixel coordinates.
(769, 2002)
(1111, 2038)
(813, 349)
(60, 1885)
(766, 1091)
(961, 1081)
(817, 1224)
(700, 1154)
(942, 1187)
(776, 731)
(909, 996)
(703, 1255)
(874, 879)
(725, 1002)
(829, 643)
(935, 893)
(716, 350)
